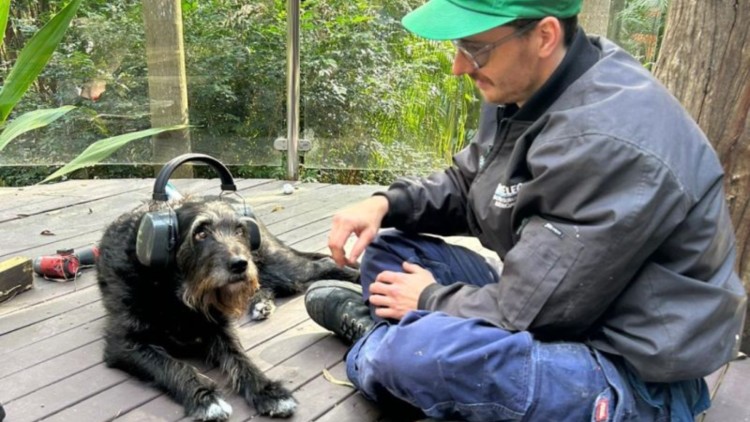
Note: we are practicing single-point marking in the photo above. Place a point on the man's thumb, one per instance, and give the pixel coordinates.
(410, 267)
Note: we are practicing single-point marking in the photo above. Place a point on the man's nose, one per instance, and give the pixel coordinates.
(461, 64)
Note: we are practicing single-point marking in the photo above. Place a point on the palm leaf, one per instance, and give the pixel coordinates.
(4, 11)
(34, 57)
(29, 121)
(103, 148)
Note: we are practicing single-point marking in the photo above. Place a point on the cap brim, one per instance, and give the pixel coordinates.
(443, 20)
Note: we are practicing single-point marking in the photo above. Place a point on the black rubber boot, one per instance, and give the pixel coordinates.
(338, 306)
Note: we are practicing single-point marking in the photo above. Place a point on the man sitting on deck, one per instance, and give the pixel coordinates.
(604, 201)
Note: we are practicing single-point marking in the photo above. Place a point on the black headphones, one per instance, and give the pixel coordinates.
(158, 234)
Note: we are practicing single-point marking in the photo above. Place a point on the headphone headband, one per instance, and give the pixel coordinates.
(158, 233)
(160, 185)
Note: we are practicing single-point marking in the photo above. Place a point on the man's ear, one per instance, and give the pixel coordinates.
(550, 37)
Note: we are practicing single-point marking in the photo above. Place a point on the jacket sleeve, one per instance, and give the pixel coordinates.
(437, 204)
(594, 210)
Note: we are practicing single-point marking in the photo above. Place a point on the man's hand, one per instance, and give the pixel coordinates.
(362, 219)
(394, 294)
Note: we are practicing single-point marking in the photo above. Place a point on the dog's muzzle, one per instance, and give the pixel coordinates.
(238, 267)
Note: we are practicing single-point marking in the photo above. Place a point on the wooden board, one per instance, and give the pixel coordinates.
(731, 402)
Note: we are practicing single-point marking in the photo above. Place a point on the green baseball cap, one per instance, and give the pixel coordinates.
(454, 19)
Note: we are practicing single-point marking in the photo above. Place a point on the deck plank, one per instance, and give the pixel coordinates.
(63, 394)
(317, 396)
(51, 327)
(354, 408)
(45, 373)
(42, 351)
(46, 310)
(23, 204)
(108, 404)
(731, 402)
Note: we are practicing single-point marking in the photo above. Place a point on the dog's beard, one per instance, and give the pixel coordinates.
(228, 299)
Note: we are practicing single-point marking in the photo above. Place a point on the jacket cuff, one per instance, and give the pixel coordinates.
(424, 297)
(399, 207)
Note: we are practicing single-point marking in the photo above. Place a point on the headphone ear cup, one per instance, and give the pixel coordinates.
(253, 232)
(156, 239)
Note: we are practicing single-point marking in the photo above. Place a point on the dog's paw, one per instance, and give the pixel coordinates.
(274, 401)
(213, 409)
(262, 309)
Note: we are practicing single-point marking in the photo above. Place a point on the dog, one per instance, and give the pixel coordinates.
(187, 309)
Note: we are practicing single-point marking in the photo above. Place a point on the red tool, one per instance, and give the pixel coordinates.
(66, 263)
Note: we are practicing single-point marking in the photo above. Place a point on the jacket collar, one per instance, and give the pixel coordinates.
(581, 56)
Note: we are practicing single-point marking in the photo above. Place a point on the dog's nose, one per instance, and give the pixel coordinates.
(237, 265)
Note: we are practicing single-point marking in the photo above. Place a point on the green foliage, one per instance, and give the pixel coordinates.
(373, 95)
(350, 176)
(29, 64)
(100, 150)
(98, 49)
(375, 91)
(33, 58)
(642, 24)
(366, 84)
(4, 10)
(30, 121)
(436, 105)
(22, 176)
(29, 175)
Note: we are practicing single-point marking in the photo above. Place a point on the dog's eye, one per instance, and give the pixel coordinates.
(239, 231)
(200, 235)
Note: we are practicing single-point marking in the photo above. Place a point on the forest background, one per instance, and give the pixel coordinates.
(375, 100)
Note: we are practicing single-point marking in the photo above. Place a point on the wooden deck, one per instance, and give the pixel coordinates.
(50, 336)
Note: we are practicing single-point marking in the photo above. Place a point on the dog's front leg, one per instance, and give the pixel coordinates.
(268, 397)
(196, 392)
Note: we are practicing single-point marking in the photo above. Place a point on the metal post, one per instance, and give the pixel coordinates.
(292, 101)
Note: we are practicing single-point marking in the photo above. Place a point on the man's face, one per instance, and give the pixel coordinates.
(511, 73)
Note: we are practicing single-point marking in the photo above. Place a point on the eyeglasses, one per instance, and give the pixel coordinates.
(479, 53)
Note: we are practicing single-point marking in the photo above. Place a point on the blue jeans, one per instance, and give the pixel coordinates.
(466, 369)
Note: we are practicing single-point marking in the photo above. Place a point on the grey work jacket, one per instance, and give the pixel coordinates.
(609, 215)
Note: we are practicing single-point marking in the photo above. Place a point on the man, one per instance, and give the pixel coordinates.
(605, 203)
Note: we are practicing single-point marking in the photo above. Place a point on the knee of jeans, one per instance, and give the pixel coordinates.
(400, 366)
(385, 252)
(395, 362)
(385, 241)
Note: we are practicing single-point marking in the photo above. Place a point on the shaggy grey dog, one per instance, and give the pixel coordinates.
(156, 316)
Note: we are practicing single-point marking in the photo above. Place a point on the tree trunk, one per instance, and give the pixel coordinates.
(167, 82)
(705, 62)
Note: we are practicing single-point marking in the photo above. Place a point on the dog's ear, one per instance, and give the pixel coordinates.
(253, 232)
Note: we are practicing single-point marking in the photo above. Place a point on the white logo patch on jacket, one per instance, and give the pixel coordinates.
(506, 196)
